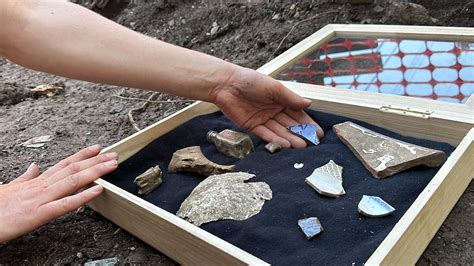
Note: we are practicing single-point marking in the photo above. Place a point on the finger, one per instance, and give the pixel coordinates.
(285, 119)
(59, 207)
(291, 99)
(267, 135)
(73, 183)
(303, 118)
(32, 172)
(283, 132)
(80, 166)
(79, 156)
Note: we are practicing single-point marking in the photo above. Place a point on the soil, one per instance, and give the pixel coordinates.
(87, 113)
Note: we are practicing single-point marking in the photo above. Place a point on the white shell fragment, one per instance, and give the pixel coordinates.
(37, 142)
(298, 165)
(374, 206)
(225, 196)
(327, 180)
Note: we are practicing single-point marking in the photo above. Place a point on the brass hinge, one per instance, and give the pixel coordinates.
(406, 111)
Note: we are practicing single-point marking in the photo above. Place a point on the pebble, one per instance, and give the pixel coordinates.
(133, 248)
(79, 255)
(378, 9)
(171, 22)
(276, 16)
(298, 165)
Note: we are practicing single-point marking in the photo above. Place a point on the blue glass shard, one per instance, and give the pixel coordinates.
(306, 131)
(310, 226)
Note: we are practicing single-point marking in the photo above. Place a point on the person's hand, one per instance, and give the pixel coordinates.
(264, 106)
(34, 199)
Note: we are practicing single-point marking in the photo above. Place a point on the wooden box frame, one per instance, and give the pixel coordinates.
(447, 122)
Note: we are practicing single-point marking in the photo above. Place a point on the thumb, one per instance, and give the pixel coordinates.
(32, 172)
(291, 99)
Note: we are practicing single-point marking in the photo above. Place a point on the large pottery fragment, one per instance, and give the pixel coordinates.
(225, 196)
(149, 180)
(327, 180)
(374, 206)
(191, 159)
(384, 156)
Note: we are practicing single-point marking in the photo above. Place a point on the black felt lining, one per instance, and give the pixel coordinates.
(273, 235)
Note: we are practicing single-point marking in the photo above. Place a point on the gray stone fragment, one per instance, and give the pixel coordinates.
(225, 196)
(384, 156)
(149, 180)
(105, 262)
(273, 147)
(327, 180)
(310, 226)
(191, 159)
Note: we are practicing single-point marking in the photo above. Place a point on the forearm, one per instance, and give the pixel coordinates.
(65, 39)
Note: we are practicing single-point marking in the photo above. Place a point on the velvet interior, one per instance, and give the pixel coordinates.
(273, 235)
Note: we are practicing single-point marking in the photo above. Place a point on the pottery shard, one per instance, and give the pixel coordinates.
(327, 180)
(191, 159)
(225, 196)
(384, 156)
(149, 180)
(373, 206)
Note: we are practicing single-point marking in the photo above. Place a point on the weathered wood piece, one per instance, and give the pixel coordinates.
(384, 156)
(225, 196)
(373, 206)
(149, 180)
(311, 227)
(327, 180)
(191, 159)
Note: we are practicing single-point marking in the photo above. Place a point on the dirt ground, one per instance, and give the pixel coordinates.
(86, 113)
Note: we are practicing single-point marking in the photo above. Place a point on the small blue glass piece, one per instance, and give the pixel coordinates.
(306, 131)
(310, 226)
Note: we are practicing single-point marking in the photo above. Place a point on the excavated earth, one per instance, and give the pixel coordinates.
(86, 113)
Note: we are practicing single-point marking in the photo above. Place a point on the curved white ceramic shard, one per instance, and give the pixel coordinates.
(374, 206)
(327, 180)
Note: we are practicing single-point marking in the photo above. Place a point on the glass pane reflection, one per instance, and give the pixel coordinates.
(430, 69)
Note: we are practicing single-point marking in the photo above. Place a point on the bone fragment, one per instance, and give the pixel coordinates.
(149, 180)
(191, 159)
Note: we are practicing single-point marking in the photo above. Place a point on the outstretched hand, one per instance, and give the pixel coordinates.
(34, 199)
(264, 106)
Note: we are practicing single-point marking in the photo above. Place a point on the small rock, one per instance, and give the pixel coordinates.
(183, 21)
(276, 16)
(104, 262)
(132, 248)
(297, 14)
(298, 165)
(311, 227)
(374, 206)
(171, 23)
(378, 9)
(273, 147)
(293, 6)
(132, 24)
(214, 30)
(79, 255)
(116, 246)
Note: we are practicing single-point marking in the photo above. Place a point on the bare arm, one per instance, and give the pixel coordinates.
(66, 39)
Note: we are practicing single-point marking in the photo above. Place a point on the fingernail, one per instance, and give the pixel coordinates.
(307, 101)
(31, 166)
(112, 155)
(111, 163)
(97, 189)
(96, 147)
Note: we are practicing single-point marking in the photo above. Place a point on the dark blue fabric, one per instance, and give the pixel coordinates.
(273, 235)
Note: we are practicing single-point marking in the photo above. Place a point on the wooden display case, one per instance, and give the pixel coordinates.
(417, 117)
